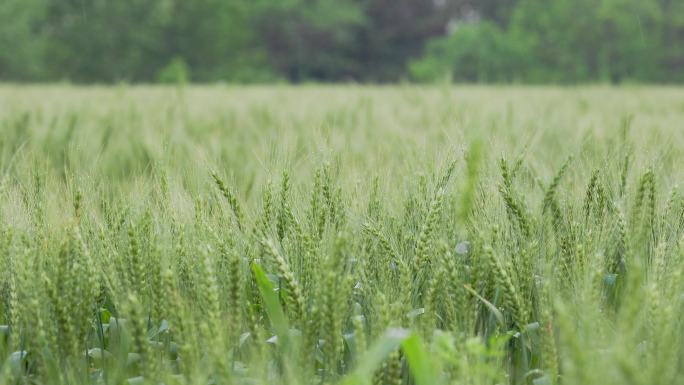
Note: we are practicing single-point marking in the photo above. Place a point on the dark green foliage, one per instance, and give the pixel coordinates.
(173, 41)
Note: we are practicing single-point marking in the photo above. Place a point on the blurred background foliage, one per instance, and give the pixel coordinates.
(536, 41)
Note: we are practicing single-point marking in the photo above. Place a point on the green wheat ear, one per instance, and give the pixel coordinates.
(515, 210)
(231, 198)
(294, 291)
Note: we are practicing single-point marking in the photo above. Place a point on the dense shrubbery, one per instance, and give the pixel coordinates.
(474, 52)
(564, 41)
(343, 40)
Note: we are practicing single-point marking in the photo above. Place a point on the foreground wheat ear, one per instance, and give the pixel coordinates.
(334, 235)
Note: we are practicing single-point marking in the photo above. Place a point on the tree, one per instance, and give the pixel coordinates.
(339, 40)
(22, 44)
(310, 39)
(671, 58)
(106, 40)
(397, 31)
(474, 52)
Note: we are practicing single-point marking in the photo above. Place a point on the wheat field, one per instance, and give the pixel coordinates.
(341, 235)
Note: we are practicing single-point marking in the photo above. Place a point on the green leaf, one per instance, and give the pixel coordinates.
(544, 380)
(98, 354)
(105, 315)
(273, 309)
(132, 358)
(489, 305)
(419, 361)
(415, 312)
(372, 359)
(136, 380)
(16, 360)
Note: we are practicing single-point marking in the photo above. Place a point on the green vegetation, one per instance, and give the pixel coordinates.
(341, 235)
(540, 41)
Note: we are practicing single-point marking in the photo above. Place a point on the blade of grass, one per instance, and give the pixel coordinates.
(489, 305)
(275, 312)
(372, 359)
(418, 360)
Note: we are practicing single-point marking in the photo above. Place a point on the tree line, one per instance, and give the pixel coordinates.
(539, 41)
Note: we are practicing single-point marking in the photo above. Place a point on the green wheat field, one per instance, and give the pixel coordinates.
(397, 235)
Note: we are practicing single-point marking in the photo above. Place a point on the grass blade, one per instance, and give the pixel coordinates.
(419, 361)
(275, 312)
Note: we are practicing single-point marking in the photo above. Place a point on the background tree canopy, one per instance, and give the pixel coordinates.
(561, 41)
